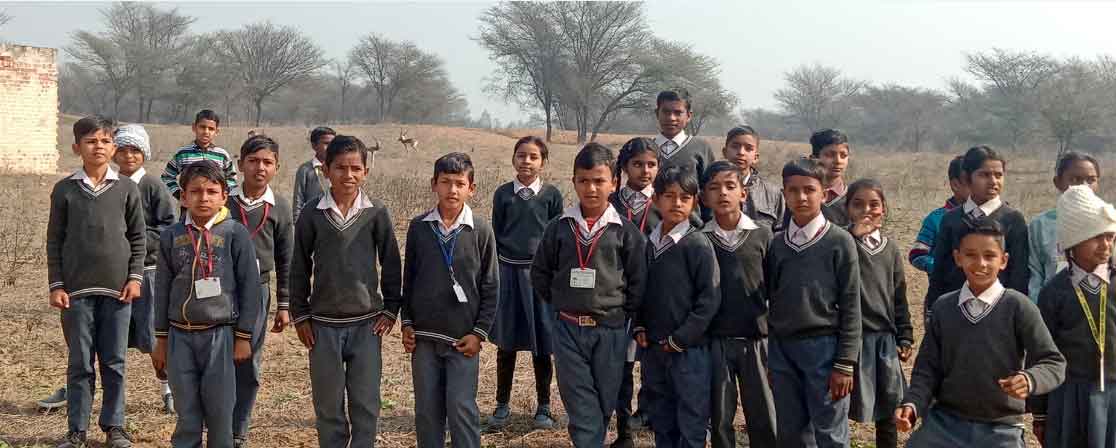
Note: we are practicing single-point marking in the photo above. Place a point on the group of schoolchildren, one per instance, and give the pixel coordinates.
(728, 288)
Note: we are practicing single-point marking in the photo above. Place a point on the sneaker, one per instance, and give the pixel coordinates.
(622, 442)
(168, 404)
(74, 439)
(55, 400)
(543, 419)
(499, 417)
(117, 437)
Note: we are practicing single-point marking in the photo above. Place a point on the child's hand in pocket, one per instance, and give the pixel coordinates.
(409, 339)
(469, 345)
(1016, 386)
(840, 384)
(242, 350)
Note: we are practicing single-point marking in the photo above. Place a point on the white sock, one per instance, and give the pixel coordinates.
(166, 386)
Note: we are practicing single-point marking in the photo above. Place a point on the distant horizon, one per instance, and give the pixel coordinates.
(911, 43)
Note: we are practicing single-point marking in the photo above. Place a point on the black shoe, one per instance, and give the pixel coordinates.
(623, 442)
(74, 439)
(117, 437)
(54, 401)
(499, 418)
(543, 419)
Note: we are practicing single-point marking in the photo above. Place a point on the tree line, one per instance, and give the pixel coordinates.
(590, 67)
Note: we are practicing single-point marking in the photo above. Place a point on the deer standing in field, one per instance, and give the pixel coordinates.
(373, 149)
(408, 142)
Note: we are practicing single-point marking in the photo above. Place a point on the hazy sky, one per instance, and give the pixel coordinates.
(906, 42)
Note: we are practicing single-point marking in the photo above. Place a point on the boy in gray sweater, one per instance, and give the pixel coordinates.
(95, 249)
(310, 179)
(984, 353)
(207, 298)
(813, 278)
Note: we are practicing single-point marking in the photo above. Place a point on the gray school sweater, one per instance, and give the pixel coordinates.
(883, 291)
(1066, 321)
(430, 306)
(274, 241)
(959, 362)
(234, 263)
(95, 241)
(158, 214)
(519, 223)
(355, 266)
(947, 277)
(743, 311)
(764, 203)
(307, 188)
(620, 262)
(835, 211)
(814, 290)
(683, 292)
(694, 154)
(652, 216)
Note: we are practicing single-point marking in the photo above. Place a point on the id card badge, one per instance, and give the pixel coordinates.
(583, 278)
(460, 292)
(207, 287)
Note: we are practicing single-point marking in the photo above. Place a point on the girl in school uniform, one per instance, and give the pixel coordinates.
(887, 331)
(638, 161)
(521, 210)
(1078, 306)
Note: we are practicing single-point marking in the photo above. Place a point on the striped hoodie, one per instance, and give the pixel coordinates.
(192, 153)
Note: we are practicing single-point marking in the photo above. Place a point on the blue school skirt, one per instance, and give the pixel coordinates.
(522, 323)
(141, 330)
(879, 385)
(1079, 415)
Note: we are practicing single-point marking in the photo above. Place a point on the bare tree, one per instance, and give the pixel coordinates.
(393, 68)
(603, 44)
(345, 73)
(897, 115)
(523, 42)
(1073, 102)
(268, 57)
(107, 60)
(153, 41)
(1014, 76)
(817, 95)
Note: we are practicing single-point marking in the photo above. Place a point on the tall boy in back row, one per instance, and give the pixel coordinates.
(268, 220)
(207, 124)
(591, 267)
(95, 250)
(983, 171)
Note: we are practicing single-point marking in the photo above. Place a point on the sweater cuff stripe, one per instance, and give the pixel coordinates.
(408, 323)
(240, 334)
(299, 319)
(1039, 417)
(676, 347)
(161, 333)
(283, 306)
(389, 314)
(136, 277)
(843, 368)
(479, 332)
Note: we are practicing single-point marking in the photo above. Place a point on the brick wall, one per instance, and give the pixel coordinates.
(28, 109)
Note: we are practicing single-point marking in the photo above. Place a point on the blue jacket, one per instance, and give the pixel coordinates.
(920, 255)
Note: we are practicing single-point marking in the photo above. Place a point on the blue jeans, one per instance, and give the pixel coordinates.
(345, 363)
(740, 367)
(96, 330)
(589, 362)
(800, 369)
(248, 373)
(201, 374)
(445, 384)
(944, 429)
(681, 383)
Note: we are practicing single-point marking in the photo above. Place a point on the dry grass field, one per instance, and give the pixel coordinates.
(34, 355)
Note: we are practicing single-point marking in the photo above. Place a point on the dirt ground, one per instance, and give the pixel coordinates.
(31, 340)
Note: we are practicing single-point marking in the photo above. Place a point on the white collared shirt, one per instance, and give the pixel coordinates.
(316, 163)
(731, 236)
(987, 207)
(636, 199)
(208, 225)
(268, 197)
(110, 175)
(138, 175)
(990, 296)
(535, 186)
(361, 202)
(803, 235)
(674, 235)
(678, 141)
(1092, 279)
(465, 218)
(610, 216)
(872, 240)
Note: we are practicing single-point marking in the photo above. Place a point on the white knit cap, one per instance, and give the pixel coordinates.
(135, 136)
(1082, 215)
